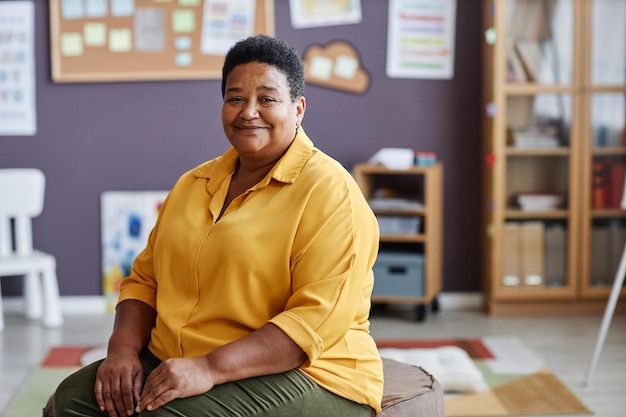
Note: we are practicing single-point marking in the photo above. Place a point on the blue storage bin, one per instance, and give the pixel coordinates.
(399, 274)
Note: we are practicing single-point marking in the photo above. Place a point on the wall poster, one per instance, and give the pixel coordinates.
(17, 68)
(312, 13)
(420, 40)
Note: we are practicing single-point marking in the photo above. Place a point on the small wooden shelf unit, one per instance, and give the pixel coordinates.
(425, 184)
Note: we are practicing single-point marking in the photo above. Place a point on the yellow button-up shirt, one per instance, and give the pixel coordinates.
(296, 250)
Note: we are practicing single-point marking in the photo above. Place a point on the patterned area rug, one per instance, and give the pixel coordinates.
(43, 380)
(518, 382)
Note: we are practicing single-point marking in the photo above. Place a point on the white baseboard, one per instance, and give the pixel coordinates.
(460, 301)
(78, 304)
(97, 304)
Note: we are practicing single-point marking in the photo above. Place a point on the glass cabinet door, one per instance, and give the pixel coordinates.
(606, 142)
(608, 43)
(539, 41)
(536, 182)
(537, 191)
(608, 171)
(555, 148)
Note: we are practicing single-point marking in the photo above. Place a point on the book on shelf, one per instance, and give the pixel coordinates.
(530, 59)
(607, 245)
(607, 183)
(599, 184)
(599, 270)
(511, 268)
(534, 253)
(555, 237)
(539, 59)
(609, 137)
(524, 256)
(528, 21)
(548, 72)
(533, 256)
(616, 188)
(515, 68)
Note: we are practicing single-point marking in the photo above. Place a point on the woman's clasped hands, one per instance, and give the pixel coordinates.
(120, 390)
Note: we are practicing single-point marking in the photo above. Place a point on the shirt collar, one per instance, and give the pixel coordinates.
(286, 170)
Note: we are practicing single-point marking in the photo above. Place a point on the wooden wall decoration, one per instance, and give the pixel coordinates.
(336, 65)
(134, 40)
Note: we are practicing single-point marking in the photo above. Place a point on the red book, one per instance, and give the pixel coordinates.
(599, 185)
(618, 171)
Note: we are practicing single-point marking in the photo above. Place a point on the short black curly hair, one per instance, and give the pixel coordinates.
(267, 50)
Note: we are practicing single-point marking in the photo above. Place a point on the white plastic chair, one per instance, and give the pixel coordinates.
(618, 283)
(21, 199)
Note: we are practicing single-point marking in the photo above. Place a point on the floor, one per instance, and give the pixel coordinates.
(564, 343)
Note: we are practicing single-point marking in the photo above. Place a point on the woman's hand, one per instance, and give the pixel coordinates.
(175, 378)
(118, 383)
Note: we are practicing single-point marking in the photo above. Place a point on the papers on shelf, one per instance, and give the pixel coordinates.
(394, 158)
(395, 203)
(398, 225)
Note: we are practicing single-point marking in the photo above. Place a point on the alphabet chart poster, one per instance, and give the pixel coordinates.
(17, 68)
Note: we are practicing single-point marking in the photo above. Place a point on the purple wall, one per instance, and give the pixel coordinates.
(142, 136)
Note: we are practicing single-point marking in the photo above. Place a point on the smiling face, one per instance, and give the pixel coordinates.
(258, 116)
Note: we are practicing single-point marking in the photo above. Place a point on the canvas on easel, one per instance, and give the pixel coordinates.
(127, 218)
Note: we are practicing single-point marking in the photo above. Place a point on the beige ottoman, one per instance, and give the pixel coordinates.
(410, 392)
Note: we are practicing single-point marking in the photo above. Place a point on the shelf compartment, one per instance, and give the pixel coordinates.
(540, 112)
(545, 175)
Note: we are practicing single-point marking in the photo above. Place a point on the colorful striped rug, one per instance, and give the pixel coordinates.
(518, 382)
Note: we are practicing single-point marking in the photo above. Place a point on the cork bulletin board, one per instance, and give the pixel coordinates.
(143, 40)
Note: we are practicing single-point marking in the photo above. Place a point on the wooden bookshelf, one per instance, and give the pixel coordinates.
(568, 88)
(426, 185)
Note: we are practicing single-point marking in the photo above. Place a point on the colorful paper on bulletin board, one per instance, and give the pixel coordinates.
(127, 218)
(17, 68)
(142, 40)
(312, 13)
(420, 40)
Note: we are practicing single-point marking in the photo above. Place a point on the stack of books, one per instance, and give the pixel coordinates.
(533, 137)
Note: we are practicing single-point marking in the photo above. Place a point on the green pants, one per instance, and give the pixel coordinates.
(288, 394)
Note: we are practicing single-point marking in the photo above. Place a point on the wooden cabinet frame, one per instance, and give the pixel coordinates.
(577, 295)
